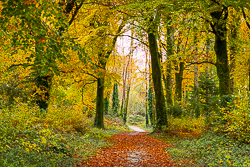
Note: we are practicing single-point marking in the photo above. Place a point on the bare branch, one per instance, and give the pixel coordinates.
(202, 62)
(75, 13)
(85, 72)
(17, 65)
(245, 17)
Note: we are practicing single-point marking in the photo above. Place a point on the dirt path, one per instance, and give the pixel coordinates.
(132, 149)
(137, 129)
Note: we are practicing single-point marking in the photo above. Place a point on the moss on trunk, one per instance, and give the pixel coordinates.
(157, 81)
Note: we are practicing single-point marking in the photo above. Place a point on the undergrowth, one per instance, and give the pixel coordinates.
(226, 143)
(61, 137)
(212, 150)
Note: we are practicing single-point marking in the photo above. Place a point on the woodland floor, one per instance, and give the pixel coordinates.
(133, 149)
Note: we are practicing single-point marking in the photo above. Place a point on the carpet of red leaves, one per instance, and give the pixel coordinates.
(132, 149)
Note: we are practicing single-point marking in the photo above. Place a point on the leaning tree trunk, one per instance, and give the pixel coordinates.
(99, 120)
(220, 48)
(157, 80)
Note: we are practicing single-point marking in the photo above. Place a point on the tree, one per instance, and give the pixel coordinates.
(115, 100)
(39, 35)
(106, 106)
(156, 72)
(150, 103)
(220, 30)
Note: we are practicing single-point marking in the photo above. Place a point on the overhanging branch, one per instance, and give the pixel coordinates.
(202, 62)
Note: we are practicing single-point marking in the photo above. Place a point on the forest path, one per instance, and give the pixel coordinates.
(137, 129)
(132, 149)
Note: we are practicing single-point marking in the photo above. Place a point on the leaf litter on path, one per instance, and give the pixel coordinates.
(132, 149)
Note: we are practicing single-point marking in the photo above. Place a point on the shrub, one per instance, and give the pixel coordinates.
(176, 111)
(186, 127)
(30, 139)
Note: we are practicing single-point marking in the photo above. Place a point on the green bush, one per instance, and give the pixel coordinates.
(136, 119)
(176, 111)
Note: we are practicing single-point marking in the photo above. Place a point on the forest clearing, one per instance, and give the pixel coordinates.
(77, 76)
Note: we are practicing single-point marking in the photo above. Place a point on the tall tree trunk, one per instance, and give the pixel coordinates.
(207, 78)
(115, 100)
(169, 85)
(99, 120)
(126, 106)
(150, 103)
(179, 75)
(124, 89)
(233, 50)
(196, 79)
(146, 98)
(157, 79)
(220, 47)
(99, 103)
(146, 102)
(170, 53)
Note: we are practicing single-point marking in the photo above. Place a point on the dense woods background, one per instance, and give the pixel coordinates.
(65, 83)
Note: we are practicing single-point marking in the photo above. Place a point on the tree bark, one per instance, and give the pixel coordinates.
(220, 48)
(126, 106)
(150, 103)
(99, 123)
(99, 120)
(157, 81)
(196, 79)
(170, 53)
(44, 84)
(146, 98)
(178, 81)
(233, 50)
(207, 78)
(179, 75)
(124, 89)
